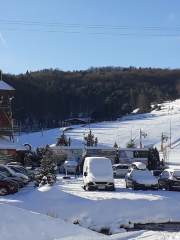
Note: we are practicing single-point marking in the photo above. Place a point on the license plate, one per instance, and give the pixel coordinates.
(101, 187)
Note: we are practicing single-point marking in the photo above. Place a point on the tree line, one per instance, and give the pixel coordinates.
(47, 97)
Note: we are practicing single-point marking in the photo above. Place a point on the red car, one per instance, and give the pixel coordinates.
(7, 187)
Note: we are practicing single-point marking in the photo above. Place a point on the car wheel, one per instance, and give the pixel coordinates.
(126, 184)
(4, 191)
(134, 187)
(168, 187)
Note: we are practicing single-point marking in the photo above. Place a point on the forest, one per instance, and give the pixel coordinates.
(47, 97)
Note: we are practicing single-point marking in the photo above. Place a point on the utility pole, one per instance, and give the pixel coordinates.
(170, 113)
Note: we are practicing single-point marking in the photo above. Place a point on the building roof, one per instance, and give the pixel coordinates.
(5, 86)
(6, 144)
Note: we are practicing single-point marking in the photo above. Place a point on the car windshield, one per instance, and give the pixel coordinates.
(176, 173)
(157, 173)
(2, 176)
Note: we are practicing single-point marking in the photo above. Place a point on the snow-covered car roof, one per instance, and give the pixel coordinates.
(139, 165)
(121, 164)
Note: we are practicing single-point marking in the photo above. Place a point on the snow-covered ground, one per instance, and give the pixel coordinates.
(24, 215)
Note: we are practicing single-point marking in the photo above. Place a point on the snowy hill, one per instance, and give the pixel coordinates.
(166, 121)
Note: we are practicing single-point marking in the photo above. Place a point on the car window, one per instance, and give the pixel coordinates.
(165, 175)
(125, 167)
(176, 173)
(4, 171)
(119, 167)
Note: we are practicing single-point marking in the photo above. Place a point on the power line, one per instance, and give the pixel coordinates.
(99, 27)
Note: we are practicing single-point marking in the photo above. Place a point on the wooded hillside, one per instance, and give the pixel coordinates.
(48, 97)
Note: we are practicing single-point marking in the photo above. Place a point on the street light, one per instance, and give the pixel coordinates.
(142, 134)
(170, 112)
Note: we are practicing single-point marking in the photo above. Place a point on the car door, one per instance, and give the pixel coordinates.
(5, 171)
(163, 179)
(124, 170)
(119, 171)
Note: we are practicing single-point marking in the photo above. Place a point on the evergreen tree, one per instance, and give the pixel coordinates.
(131, 144)
(62, 141)
(153, 159)
(47, 171)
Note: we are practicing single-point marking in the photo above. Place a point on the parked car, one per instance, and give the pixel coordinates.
(18, 180)
(169, 179)
(120, 170)
(7, 186)
(21, 169)
(14, 163)
(10, 173)
(68, 166)
(98, 174)
(156, 173)
(139, 177)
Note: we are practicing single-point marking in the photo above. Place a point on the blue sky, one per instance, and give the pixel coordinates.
(78, 34)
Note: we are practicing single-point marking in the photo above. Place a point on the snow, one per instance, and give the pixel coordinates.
(5, 86)
(140, 165)
(25, 215)
(144, 177)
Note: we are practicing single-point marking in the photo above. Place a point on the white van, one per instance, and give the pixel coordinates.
(98, 174)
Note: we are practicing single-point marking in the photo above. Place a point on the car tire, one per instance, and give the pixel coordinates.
(126, 184)
(168, 187)
(4, 191)
(134, 187)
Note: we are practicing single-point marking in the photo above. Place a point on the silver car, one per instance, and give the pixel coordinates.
(68, 166)
(120, 170)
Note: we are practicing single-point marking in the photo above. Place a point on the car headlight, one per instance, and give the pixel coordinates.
(111, 183)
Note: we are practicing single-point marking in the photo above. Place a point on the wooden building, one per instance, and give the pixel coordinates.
(9, 150)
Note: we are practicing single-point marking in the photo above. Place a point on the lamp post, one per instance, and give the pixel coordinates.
(170, 113)
(142, 134)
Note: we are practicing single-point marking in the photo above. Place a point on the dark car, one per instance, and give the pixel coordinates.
(169, 179)
(21, 169)
(18, 180)
(7, 186)
(157, 172)
(139, 177)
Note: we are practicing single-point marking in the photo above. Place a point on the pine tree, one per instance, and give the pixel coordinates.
(47, 171)
(153, 159)
(131, 144)
(62, 141)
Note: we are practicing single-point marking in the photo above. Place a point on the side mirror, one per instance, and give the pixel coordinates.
(85, 174)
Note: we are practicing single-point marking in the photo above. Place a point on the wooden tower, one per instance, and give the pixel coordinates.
(6, 122)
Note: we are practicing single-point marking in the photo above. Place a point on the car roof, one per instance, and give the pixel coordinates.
(139, 165)
(172, 169)
(121, 164)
